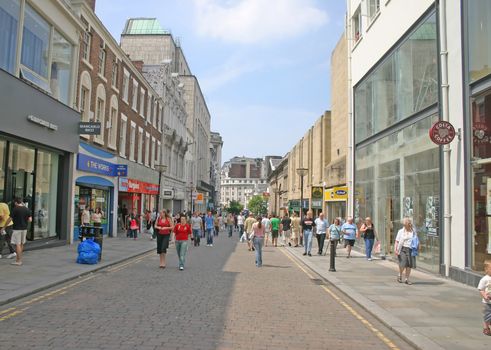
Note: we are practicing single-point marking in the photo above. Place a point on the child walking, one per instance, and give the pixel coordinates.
(485, 290)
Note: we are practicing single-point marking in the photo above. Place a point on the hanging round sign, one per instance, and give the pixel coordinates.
(442, 133)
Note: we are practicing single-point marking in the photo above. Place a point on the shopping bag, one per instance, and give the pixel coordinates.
(376, 248)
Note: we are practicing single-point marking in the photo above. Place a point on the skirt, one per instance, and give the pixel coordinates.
(405, 259)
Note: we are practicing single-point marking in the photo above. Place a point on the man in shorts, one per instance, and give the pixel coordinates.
(349, 230)
(6, 230)
(275, 227)
(286, 223)
(21, 216)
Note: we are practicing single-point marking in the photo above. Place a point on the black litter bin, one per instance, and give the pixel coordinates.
(94, 232)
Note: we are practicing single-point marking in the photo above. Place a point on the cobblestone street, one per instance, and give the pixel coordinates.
(220, 301)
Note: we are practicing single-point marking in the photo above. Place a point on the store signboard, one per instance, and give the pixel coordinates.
(336, 193)
(136, 186)
(199, 198)
(96, 165)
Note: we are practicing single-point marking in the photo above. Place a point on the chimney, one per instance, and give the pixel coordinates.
(91, 4)
(138, 65)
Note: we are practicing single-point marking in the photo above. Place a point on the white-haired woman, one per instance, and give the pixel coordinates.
(402, 249)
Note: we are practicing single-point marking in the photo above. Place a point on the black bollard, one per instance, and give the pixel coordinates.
(332, 261)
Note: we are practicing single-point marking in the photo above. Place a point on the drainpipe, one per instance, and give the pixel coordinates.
(351, 138)
(446, 148)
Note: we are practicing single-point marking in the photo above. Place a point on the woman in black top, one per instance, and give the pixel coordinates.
(368, 233)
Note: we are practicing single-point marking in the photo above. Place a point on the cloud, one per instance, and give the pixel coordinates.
(232, 69)
(257, 21)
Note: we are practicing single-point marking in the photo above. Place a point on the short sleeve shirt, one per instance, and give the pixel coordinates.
(349, 231)
(308, 224)
(20, 216)
(196, 223)
(321, 225)
(275, 224)
(485, 285)
(286, 222)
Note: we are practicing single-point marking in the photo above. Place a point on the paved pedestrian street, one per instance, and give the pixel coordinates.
(220, 301)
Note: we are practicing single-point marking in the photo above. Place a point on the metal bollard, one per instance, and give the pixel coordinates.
(332, 261)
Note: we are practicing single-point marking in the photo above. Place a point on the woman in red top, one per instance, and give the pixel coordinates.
(182, 231)
(164, 225)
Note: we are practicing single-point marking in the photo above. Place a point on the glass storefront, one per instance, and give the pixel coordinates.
(481, 179)
(405, 82)
(399, 176)
(31, 174)
(91, 198)
(479, 31)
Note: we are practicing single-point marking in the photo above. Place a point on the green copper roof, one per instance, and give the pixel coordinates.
(143, 26)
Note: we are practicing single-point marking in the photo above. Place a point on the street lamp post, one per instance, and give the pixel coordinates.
(161, 168)
(301, 172)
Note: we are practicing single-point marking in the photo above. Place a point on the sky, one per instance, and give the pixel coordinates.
(263, 65)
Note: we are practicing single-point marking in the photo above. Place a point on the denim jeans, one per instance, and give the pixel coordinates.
(307, 240)
(182, 248)
(209, 236)
(321, 237)
(241, 230)
(258, 245)
(368, 247)
(196, 236)
(230, 230)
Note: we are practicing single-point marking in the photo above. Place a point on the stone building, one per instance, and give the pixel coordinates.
(216, 145)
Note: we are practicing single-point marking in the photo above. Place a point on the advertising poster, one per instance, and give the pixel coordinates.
(431, 220)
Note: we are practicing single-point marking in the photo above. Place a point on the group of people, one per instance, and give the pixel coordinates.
(13, 229)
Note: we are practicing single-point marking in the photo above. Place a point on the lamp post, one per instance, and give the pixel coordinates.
(161, 168)
(301, 172)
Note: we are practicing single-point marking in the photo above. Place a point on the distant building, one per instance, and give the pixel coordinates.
(241, 179)
(216, 145)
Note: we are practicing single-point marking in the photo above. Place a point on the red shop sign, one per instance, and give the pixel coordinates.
(442, 133)
(135, 186)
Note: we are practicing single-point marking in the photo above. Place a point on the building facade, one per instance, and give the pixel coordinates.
(408, 72)
(216, 145)
(38, 124)
(241, 179)
(113, 92)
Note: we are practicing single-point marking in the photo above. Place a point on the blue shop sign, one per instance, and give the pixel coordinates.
(98, 166)
(121, 170)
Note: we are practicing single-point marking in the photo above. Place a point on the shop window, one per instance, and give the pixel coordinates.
(86, 41)
(479, 32)
(44, 218)
(481, 169)
(399, 176)
(373, 9)
(114, 74)
(356, 25)
(9, 21)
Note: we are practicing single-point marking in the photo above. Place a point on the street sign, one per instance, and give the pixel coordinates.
(199, 198)
(195, 194)
(92, 128)
(122, 170)
(442, 133)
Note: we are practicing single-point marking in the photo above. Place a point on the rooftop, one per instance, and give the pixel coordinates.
(143, 26)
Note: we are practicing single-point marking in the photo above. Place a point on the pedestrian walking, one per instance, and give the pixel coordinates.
(230, 224)
(21, 216)
(85, 217)
(248, 230)
(240, 223)
(209, 222)
(134, 224)
(484, 288)
(403, 247)
(216, 224)
(321, 225)
(349, 234)
(335, 233)
(266, 222)
(296, 230)
(236, 222)
(275, 228)
(257, 236)
(182, 232)
(285, 230)
(367, 231)
(6, 224)
(308, 224)
(164, 226)
(197, 227)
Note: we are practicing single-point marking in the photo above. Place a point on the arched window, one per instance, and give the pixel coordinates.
(113, 122)
(84, 96)
(100, 112)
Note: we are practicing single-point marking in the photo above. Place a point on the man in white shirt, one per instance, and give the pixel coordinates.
(321, 225)
(240, 222)
(267, 229)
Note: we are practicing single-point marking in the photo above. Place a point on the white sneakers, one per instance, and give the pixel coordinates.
(10, 256)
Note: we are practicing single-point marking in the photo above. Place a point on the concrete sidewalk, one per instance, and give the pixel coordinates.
(45, 268)
(433, 313)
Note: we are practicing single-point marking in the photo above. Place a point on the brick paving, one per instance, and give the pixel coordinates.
(220, 301)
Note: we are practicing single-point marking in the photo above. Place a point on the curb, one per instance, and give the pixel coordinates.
(72, 277)
(402, 329)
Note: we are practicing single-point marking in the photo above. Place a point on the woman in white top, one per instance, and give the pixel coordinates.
(402, 249)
